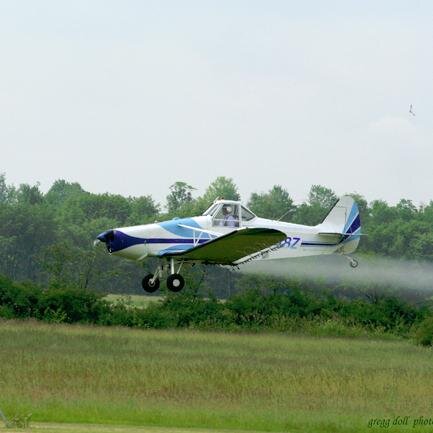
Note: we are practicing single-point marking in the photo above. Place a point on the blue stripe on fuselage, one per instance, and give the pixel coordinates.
(174, 249)
(175, 241)
(122, 241)
(173, 227)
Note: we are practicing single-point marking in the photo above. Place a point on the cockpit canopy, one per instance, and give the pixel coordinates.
(229, 213)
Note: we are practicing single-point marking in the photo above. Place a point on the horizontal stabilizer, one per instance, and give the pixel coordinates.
(339, 234)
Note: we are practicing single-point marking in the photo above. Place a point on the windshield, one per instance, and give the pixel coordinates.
(211, 210)
(247, 215)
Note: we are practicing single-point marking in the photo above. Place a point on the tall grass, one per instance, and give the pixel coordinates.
(269, 382)
(139, 301)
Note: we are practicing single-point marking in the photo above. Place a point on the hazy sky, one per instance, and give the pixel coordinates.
(131, 96)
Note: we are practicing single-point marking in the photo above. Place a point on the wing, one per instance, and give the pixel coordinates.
(228, 248)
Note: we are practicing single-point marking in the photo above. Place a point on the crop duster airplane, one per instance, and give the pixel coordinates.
(228, 233)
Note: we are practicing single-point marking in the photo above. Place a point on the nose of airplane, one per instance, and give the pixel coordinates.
(129, 242)
(108, 237)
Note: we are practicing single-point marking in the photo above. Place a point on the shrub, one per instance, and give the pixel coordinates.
(424, 333)
(293, 311)
(21, 300)
(73, 305)
(189, 309)
(53, 305)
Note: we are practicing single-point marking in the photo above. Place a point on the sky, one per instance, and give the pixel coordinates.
(131, 96)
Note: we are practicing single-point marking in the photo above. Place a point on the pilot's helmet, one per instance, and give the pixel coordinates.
(228, 209)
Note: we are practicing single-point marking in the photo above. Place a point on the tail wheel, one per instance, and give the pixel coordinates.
(353, 263)
(175, 282)
(149, 285)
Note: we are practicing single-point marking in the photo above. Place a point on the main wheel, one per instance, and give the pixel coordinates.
(147, 284)
(175, 282)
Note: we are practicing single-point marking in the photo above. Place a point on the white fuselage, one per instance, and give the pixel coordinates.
(153, 240)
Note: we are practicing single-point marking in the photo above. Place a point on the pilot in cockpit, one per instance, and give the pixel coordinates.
(229, 219)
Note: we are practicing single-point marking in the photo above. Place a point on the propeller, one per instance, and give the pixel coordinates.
(106, 237)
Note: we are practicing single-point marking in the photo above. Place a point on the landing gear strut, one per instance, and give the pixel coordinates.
(175, 281)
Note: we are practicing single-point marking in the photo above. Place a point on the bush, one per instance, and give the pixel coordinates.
(21, 300)
(52, 305)
(294, 311)
(73, 305)
(187, 309)
(424, 333)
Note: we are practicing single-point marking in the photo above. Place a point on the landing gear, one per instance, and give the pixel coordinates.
(150, 283)
(175, 282)
(353, 262)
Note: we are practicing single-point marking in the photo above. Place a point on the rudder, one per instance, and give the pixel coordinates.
(343, 219)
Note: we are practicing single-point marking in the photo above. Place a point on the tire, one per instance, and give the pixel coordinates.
(148, 286)
(175, 282)
(353, 263)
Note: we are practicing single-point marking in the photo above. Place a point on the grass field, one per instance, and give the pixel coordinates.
(103, 428)
(140, 301)
(187, 379)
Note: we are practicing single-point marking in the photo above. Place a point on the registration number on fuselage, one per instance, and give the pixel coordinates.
(291, 242)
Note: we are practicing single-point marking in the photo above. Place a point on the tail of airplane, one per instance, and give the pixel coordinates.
(343, 219)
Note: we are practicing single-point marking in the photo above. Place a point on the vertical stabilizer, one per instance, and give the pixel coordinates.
(343, 219)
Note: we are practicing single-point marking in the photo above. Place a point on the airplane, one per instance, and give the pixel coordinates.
(228, 233)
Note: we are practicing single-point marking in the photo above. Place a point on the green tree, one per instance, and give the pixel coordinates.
(322, 197)
(426, 213)
(7, 192)
(143, 210)
(222, 187)
(406, 210)
(274, 204)
(84, 207)
(29, 194)
(320, 201)
(381, 213)
(27, 228)
(61, 190)
(180, 195)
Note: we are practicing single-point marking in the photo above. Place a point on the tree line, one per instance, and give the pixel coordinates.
(46, 238)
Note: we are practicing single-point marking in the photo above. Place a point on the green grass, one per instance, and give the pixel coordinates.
(140, 301)
(102, 428)
(184, 379)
